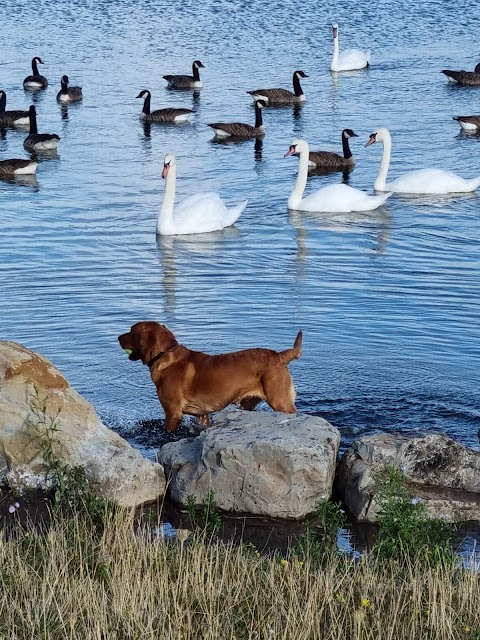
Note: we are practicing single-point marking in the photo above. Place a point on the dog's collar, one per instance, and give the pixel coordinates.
(160, 355)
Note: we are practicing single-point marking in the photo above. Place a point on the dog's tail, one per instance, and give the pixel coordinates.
(295, 352)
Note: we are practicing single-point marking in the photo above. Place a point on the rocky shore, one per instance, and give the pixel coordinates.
(261, 463)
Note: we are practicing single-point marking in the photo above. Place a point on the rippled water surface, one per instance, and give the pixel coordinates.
(388, 301)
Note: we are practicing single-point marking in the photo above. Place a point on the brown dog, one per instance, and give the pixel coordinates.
(195, 383)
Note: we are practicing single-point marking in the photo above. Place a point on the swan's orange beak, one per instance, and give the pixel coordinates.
(166, 167)
(371, 140)
(291, 151)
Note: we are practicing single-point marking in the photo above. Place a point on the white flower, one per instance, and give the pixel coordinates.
(11, 509)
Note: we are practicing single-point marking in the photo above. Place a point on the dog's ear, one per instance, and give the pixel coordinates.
(152, 339)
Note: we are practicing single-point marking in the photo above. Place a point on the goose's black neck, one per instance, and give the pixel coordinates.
(64, 85)
(35, 67)
(146, 105)
(258, 116)
(3, 102)
(33, 121)
(196, 73)
(346, 147)
(296, 85)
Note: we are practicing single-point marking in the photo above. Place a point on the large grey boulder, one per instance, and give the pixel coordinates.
(442, 472)
(272, 464)
(33, 394)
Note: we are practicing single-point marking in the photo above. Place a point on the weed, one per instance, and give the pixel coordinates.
(205, 516)
(406, 529)
(73, 489)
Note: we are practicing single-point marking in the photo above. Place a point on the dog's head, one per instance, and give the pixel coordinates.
(147, 340)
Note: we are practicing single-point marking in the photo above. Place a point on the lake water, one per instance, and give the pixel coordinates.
(389, 302)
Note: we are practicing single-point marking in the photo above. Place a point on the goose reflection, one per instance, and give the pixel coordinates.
(188, 253)
(318, 171)
(23, 181)
(257, 148)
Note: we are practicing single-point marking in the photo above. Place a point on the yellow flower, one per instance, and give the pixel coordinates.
(467, 629)
(365, 603)
(300, 563)
(283, 562)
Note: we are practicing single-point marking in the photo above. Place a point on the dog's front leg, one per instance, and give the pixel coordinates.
(172, 420)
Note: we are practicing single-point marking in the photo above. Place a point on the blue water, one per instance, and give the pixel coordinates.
(388, 301)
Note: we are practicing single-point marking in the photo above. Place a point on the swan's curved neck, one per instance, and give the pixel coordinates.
(346, 148)
(146, 105)
(166, 210)
(381, 180)
(336, 51)
(296, 86)
(258, 117)
(296, 196)
(35, 67)
(196, 73)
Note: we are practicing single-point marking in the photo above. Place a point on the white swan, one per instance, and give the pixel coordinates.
(200, 213)
(335, 198)
(423, 181)
(348, 60)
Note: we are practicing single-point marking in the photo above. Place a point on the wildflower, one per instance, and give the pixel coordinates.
(16, 505)
(467, 628)
(365, 603)
(182, 535)
(283, 562)
(11, 509)
(300, 563)
(416, 500)
(442, 516)
(342, 510)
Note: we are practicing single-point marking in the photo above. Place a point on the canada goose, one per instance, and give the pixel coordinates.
(282, 96)
(35, 81)
(335, 198)
(161, 115)
(39, 141)
(331, 160)
(239, 130)
(423, 181)
(186, 82)
(11, 118)
(69, 94)
(17, 167)
(469, 123)
(350, 59)
(464, 78)
(200, 213)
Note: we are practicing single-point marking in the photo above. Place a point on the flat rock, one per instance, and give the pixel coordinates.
(33, 394)
(442, 472)
(256, 462)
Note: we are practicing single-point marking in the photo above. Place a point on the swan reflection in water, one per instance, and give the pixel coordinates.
(378, 220)
(188, 253)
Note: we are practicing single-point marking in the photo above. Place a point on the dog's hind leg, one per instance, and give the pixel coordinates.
(280, 392)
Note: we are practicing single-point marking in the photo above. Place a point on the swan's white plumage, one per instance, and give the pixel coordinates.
(198, 213)
(335, 198)
(350, 59)
(422, 181)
